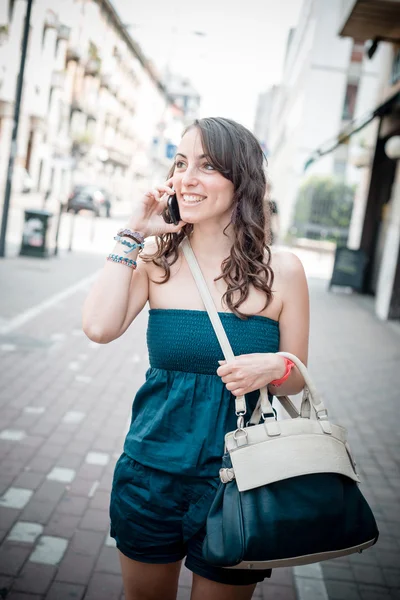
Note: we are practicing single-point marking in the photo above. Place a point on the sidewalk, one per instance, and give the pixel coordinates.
(65, 407)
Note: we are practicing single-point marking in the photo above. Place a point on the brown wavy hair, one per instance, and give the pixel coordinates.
(236, 153)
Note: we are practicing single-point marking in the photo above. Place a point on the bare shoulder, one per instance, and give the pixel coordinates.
(287, 266)
(154, 272)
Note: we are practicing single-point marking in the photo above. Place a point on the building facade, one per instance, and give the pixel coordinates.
(262, 121)
(375, 227)
(327, 82)
(92, 102)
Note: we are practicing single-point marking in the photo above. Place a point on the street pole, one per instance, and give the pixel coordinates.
(13, 146)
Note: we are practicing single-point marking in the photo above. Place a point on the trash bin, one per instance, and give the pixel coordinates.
(34, 234)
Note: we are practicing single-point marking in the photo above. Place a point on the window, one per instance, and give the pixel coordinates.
(10, 10)
(339, 168)
(395, 74)
(357, 53)
(350, 101)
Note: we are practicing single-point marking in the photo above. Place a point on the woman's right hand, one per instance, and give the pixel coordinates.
(147, 218)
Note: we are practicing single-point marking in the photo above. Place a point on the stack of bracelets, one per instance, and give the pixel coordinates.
(138, 242)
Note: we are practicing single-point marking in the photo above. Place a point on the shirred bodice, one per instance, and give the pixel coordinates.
(182, 412)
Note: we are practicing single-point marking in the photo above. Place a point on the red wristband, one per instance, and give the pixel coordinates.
(289, 365)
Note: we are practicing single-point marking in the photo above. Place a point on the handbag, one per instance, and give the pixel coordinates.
(289, 492)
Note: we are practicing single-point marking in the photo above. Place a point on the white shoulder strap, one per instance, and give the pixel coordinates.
(310, 396)
(240, 401)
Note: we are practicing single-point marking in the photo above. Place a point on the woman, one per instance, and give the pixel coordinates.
(165, 480)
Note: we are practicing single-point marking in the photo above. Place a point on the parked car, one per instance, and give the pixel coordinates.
(90, 197)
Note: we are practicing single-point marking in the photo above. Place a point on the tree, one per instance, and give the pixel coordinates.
(324, 204)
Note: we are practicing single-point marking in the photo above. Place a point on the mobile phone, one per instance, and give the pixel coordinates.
(171, 213)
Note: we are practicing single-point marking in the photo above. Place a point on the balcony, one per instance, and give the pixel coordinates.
(6, 109)
(92, 67)
(57, 79)
(74, 54)
(51, 20)
(369, 19)
(63, 32)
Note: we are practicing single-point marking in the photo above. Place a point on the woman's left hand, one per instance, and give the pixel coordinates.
(249, 372)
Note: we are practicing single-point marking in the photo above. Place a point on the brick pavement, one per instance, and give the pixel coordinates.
(65, 405)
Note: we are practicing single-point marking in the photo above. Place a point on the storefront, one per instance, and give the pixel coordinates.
(378, 211)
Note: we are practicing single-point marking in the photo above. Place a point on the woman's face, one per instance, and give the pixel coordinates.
(202, 192)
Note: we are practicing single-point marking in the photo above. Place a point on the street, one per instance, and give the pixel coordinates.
(66, 406)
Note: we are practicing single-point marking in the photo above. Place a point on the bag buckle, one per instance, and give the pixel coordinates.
(240, 419)
(226, 475)
(322, 414)
(268, 416)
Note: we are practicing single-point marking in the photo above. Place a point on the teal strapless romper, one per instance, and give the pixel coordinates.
(182, 412)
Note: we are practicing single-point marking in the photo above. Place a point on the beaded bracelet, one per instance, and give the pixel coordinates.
(131, 247)
(123, 260)
(135, 235)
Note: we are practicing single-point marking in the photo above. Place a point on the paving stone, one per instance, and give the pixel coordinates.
(35, 578)
(72, 505)
(8, 516)
(50, 450)
(5, 585)
(73, 417)
(25, 532)
(12, 558)
(75, 568)
(35, 410)
(110, 541)
(338, 573)
(42, 464)
(96, 520)
(368, 574)
(15, 498)
(100, 500)
(14, 435)
(90, 472)
(80, 487)
(97, 458)
(373, 592)
(61, 474)
(38, 511)
(87, 543)
(61, 525)
(50, 490)
(29, 480)
(49, 550)
(23, 596)
(69, 461)
(183, 593)
(392, 577)
(389, 558)
(273, 591)
(104, 586)
(65, 591)
(185, 577)
(342, 590)
(309, 587)
(108, 561)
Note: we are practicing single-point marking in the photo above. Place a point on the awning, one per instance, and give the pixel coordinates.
(352, 128)
(369, 19)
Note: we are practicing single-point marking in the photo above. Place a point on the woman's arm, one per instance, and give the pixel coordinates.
(116, 298)
(294, 320)
(120, 292)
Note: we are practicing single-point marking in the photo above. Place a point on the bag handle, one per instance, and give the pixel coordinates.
(263, 406)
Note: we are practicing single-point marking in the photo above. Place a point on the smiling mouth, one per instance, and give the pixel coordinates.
(192, 198)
